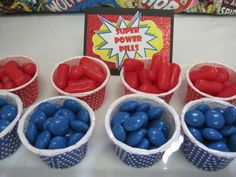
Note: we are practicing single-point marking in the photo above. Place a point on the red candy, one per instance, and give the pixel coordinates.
(133, 65)
(29, 68)
(214, 81)
(85, 77)
(174, 75)
(76, 72)
(160, 77)
(62, 75)
(132, 79)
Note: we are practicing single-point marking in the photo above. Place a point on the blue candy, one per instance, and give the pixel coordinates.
(143, 107)
(155, 113)
(230, 115)
(219, 145)
(220, 110)
(47, 123)
(48, 108)
(228, 130)
(142, 115)
(72, 105)
(8, 112)
(196, 133)
(79, 126)
(83, 116)
(133, 123)
(3, 124)
(65, 113)
(74, 138)
(59, 126)
(119, 132)
(119, 118)
(232, 143)
(203, 108)
(135, 137)
(144, 144)
(38, 117)
(58, 142)
(129, 106)
(156, 137)
(31, 132)
(214, 119)
(211, 134)
(43, 140)
(194, 118)
(2, 102)
(160, 125)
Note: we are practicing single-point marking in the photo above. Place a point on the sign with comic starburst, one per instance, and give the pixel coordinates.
(114, 35)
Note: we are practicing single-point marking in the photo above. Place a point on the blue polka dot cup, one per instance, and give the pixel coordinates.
(136, 157)
(197, 153)
(58, 158)
(9, 139)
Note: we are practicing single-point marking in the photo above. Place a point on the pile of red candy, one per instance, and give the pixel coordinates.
(86, 76)
(13, 75)
(160, 77)
(214, 81)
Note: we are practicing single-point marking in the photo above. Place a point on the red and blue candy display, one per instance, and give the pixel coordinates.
(8, 113)
(140, 125)
(214, 127)
(56, 126)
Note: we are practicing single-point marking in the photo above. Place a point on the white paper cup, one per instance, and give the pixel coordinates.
(197, 153)
(59, 158)
(9, 139)
(136, 157)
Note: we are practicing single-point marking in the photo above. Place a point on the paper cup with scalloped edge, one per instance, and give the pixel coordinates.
(58, 158)
(9, 139)
(193, 93)
(94, 98)
(136, 157)
(197, 153)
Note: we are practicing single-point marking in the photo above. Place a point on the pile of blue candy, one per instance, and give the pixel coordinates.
(214, 127)
(139, 125)
(55, 126)
(8, 113)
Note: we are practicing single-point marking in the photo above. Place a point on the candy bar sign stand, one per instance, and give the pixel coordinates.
(50, 39)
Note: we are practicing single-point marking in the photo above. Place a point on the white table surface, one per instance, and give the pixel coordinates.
(51, 38)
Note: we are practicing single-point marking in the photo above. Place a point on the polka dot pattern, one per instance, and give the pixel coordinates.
(203, 159)
(9, 143)
(29, 93)
(135, 160)
(67, 159)
(166, 98)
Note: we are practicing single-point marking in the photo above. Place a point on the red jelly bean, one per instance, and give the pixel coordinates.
(152, 75)
(222, 75)
(29, 68)
(132, 79)
(228, 92)
(149, 89)
(133, 65)
(76, 72)
(142, 75)
(61, 75)
(209, 86)
(9, 84)
(93, 74)
(163, 75)
(206, 73)
(86, 62)
(1, 85)
(156, 58)
(174, 75)
(15, 74)
(81, 81)
(79, 88)
(5, 79)
(2, 72)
